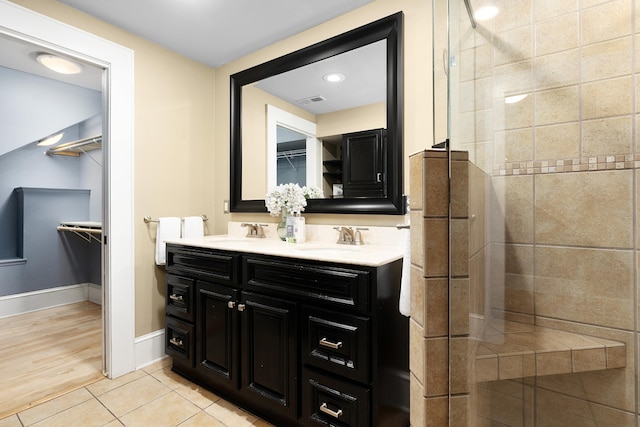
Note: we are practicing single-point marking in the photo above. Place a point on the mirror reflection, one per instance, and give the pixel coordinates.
(342, 94)
(327, 116)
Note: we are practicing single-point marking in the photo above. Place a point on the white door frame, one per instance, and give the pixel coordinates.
(118, 252)
(277, 117)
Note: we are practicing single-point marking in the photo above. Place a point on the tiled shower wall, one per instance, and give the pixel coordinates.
(553, 239)
(429, 323)
(440, 285)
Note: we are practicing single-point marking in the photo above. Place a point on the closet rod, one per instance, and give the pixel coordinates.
(291, 153)
(75, 144)
(78, 230)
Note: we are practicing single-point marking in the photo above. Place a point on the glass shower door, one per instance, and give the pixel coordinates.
(543, 287)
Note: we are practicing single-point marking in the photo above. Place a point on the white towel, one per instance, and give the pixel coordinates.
(192, 226)
(404, 305)
(168, 228)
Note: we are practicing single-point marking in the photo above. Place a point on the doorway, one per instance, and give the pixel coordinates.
(117, 228)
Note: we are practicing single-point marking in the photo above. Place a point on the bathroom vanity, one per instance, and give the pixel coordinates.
(300, 335)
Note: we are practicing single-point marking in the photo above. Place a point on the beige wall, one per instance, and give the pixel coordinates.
(173, 148)
(417, 93)
(372, 116)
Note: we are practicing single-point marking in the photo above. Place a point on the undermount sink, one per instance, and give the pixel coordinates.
(223, 239)
(329, 248)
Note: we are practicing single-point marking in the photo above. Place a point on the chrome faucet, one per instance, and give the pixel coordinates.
(358, 238)
(254, 230)
(349, 237)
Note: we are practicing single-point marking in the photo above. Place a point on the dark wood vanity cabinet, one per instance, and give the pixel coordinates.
(299, 343)
(364, 174)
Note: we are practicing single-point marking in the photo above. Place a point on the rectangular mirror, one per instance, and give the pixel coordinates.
(294, 93)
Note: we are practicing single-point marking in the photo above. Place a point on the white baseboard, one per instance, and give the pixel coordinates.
(27, 302)
(149, 348)
(95, 293)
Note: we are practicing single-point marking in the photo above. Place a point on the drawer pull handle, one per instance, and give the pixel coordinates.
(176, 342)
(175, 297)
(241, 307)
(334, 345)
(335, 414)
(231, 304)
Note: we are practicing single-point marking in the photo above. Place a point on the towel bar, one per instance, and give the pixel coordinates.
(147, 219)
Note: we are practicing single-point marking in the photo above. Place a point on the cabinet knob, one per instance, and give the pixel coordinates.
(335, 414)
(241, 307)
(231, 304)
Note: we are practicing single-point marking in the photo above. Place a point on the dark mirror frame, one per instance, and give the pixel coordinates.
(389, 29)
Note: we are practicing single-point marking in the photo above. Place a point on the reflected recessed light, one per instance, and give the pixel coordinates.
(485, 12)
(333, 77)
(58, 64)
(514, 98)
(50, 140)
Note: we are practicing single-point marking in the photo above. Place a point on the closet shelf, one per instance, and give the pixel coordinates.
(88, 230)
(74, 148)
(512, 350)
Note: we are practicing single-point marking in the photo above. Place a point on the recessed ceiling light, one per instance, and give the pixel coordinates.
(485, 13)
(333, 77)
(50, 140)
(58, 64)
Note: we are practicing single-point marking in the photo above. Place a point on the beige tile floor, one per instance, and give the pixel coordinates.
(153, 396)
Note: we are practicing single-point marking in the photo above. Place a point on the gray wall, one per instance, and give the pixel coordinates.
(33, 107)
(53, 258)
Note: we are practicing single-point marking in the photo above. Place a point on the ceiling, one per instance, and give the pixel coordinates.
(20, 55)
(215, 32)
(365, 80)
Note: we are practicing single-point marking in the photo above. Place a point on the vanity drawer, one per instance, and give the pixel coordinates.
(337, 342)
(336, 285)
(203, 263)
(328, 401)
(179, 340)
(180, 297)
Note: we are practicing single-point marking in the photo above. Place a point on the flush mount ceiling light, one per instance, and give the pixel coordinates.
(50, 140)
(58, 64)
(333, 77)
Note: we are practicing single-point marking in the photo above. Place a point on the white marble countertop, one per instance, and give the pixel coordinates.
(368, 254)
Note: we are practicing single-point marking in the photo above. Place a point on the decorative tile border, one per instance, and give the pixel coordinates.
(582, 164)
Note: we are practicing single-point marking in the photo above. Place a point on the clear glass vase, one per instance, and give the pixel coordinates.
(282, 225)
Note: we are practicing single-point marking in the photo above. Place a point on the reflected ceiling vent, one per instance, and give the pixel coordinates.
(311, 100)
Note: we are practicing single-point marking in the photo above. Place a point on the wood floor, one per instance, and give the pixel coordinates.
(48, 353)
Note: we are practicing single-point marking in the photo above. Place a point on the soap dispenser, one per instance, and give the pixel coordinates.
(299, 229)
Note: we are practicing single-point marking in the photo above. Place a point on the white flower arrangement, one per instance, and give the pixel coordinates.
(290, 197)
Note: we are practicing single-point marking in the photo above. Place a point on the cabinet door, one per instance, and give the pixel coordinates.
(217, 330)
(363, 168)
(269, 356)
